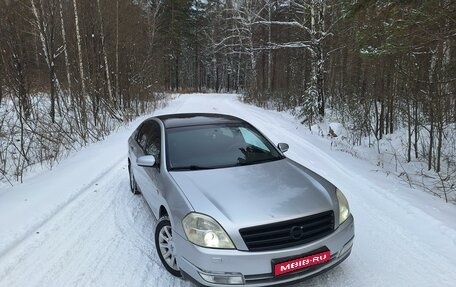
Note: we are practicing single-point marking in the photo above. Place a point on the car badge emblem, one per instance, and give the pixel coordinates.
(296, 232)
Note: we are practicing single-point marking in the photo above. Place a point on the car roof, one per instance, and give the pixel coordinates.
(196, 119)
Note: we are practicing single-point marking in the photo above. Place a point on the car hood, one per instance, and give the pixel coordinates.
(256, 194)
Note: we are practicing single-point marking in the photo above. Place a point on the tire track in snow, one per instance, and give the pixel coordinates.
(62, 233)
(135, 217)
(103, 238)
(32, 229)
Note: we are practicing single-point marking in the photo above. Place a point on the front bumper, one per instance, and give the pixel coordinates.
(255, 268)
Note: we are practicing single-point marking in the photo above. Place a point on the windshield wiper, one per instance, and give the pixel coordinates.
(241, 163)
(190, 167)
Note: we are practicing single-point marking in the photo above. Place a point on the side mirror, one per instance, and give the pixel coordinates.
(146, 161)
(283, 147)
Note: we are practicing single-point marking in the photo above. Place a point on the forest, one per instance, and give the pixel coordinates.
(71, 71)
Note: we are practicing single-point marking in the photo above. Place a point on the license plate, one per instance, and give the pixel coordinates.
(301, 263)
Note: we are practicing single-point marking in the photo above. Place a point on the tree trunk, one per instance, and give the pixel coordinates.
(196, 67)
(47, 42)
(118, 97)
(67, 62)
(409, 132)
(105, 58)
(176, 72)
(317, 56)
(269, 50)
(416, 129)
(81, 72)
(431, 139)
(320, 81)
(439, 144)
(381, 120)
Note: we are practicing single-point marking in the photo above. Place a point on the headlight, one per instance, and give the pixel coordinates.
(204, 231)
(344, 210)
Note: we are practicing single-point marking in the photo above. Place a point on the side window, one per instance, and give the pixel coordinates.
(149, 138)
(142, 134)
(152, 145)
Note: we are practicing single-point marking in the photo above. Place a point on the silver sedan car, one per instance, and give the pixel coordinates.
(231, 208)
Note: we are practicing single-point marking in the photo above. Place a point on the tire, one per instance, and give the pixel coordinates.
(133, 186)
(165, 246)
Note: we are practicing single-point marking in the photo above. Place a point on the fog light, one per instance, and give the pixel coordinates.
(224, 278)
(346, 248)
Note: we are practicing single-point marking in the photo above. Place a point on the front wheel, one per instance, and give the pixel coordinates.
(164, 244)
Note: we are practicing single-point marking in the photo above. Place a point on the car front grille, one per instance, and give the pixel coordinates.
(288, 233)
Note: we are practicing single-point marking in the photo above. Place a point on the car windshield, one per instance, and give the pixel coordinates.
(217, 146)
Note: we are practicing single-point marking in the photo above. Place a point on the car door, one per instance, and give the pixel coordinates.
(149, 140)
(135, 150)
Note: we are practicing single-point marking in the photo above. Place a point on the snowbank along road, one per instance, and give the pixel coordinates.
(79, 225)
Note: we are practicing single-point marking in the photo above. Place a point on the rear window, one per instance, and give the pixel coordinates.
(217, 146)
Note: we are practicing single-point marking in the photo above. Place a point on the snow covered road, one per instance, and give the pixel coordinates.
(78, 225)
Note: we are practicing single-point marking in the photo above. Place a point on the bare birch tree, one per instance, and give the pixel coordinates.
(105, 57)
(82, 95)
(65, 44)
(45, 25)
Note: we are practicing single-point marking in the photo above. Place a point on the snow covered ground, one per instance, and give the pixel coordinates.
(79, 225)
